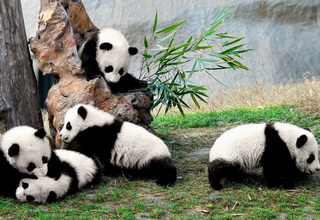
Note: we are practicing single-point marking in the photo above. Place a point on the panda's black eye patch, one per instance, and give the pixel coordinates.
(311, 158)
(108, 69)
(106, 46)
(68, 126)
(121, 71)
(44, 160)
(30, 198)
(25, 185)
(31, 167)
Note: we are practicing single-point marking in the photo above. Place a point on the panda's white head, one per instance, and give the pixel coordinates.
(113, 54)
(27, 149)
(80, 117)
(302, 145)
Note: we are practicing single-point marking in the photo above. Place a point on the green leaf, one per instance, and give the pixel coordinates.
(202, 47)
(155, 23)
(172, 27)
(232, 42)
(231, 49)
(195, 100)
(147, 56)
(145, 42)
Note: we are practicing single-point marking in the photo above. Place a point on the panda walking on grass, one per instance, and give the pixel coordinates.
(283, 151)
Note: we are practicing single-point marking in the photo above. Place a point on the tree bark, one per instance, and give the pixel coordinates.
(19, 102)
(63, 26)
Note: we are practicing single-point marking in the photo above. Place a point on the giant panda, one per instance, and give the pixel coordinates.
(32, 170)
(282, 151)
(107, 53)
(121, 147)
(77, 171)
(24, 153)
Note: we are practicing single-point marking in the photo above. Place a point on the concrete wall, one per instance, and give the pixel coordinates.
(285, 35)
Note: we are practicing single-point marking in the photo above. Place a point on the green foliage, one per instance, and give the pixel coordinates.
(165, 61)
(168, 123)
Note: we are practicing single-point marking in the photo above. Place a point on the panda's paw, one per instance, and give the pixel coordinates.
(34, 190)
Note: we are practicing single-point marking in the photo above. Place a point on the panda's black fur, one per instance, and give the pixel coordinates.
(90, 65)
(101, 141)
(57, 168)
(10, 175)
(279, 165)
(33, 170)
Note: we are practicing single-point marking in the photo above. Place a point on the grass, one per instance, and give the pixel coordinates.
(191, 197)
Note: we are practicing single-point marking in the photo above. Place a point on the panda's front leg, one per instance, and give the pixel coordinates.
(43, 189)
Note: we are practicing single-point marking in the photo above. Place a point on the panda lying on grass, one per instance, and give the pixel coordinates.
(33, 171)
(282, 150)
(121, 147)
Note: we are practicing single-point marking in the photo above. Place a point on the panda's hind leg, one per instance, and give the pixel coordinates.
(219, 169)
(163, 170)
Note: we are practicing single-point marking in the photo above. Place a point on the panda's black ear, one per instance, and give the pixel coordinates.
(301, 140)
(133, 50)
(308, 129)
(105, 46)
(82, 112)
(40, 133)
(13, 150)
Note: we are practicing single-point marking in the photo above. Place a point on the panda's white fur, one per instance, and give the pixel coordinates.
(47, 189)
(252, 146)
(107, 53)
(118, 57)
(22, 145)
(85, 168)
(118, 144)
(44, 189)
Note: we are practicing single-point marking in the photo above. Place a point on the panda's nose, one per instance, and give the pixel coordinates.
(318, 169)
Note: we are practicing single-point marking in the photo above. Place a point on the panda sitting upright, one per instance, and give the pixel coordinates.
(121, 147)
(283, 151)
(107, 53)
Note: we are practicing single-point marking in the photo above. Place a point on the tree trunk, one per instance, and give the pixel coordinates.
(19, 102)
(63, 26)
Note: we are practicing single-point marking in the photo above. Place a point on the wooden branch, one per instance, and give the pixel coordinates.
(62, 26)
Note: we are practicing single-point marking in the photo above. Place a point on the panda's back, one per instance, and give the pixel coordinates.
(136, 146)
(243, 144)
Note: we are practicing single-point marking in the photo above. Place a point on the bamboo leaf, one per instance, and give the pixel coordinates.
(145, 42)
(232, 42)
(155, 23)
(231, 49)
(172, 27)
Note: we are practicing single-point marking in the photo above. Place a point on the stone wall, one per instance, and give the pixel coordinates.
(285, 35)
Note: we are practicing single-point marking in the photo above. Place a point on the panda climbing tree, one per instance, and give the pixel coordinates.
(63, 28)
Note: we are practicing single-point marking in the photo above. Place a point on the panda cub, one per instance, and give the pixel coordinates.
(77, 171)
(33, 171)
(24, 153)
(282, 150)
(121, 147)
(107, 53)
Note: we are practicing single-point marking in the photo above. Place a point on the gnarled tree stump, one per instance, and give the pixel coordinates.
(63, 26)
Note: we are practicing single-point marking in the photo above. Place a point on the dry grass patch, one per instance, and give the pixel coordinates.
(304, 94)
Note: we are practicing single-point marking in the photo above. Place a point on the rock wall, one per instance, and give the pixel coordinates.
(285, 35)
